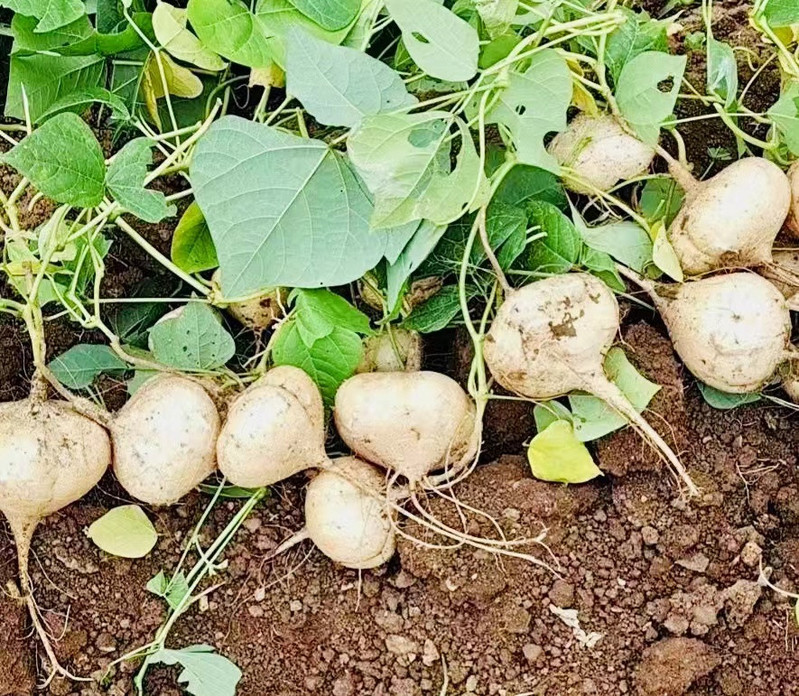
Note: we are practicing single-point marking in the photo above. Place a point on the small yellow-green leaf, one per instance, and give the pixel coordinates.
(124, 531)
(557, 455)
(663, 254)
(169, 25)
(179, 82)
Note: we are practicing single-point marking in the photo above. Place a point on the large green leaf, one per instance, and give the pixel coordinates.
(404, 159)
(63, 159)
(80, 101)
(329, 360)
(26, 38)
(329, 14)
(533, 104)
(48, 78)
(337, 85)
(319, 312)
(436, 313)
(785, 115)
(82, 364)
(125, 179)
(194, 340)
(231, 30)
(282, 210)
(624, 240)
(782, 13)
(51, 14)
(204, 672)
(559, 250)
(637, 35)
(440, 43)
(124, 531)
(647, 91)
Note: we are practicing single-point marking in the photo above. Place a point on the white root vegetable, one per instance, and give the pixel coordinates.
(550, 338)
(268, 436)
(413, 423)
(392, 351)
(347, 515)
(256, 313)
(792, 223)
(786, 263)
(164, 439)
(50, 456)
(298, 383)
(731, 331)
(600, 153)
(732, 219)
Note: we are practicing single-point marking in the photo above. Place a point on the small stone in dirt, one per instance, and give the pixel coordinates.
(389, 621)
(259, 594)
(255, 611)
(430, 654)
(403, 580)
(517, 620)
(739, 601)
(670, 666)
(343, 686)
(105, 643)
(650, 535)
(561, 594)
(532, 652)
(400, 645)
(697, 563)
(295, 605)
(750, 554)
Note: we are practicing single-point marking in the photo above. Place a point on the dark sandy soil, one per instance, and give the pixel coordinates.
(671, 588)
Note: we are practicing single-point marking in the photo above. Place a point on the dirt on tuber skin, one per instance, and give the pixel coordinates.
(732, 331)
(732, 219)
(347, 516)
(600, 153)
(268, 436)
(164, 439)
(550, 338)
(792, 222)
(392, 351)
(50, 456)
(412, 423)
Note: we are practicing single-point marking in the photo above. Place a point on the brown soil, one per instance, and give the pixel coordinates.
(670, 586)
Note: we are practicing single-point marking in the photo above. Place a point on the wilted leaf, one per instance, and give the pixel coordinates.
(169, 25)
(557, 455)
(664, 256)
(124, 531)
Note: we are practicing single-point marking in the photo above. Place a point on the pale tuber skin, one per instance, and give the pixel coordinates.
(413, 423)
(165, 439)
(792, 223)
(393, 350)
(550, 338)
(50, 456)
(786, 261)
(298, 383)
(268, 436)
(600, 153)
(732, 219)
(347, 515)
(731, 331)
(256, 313)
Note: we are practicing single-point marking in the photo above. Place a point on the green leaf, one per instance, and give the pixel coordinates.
(625, 241)
(132, 321)
(637, 35)
(602, 265)
(557, 455)
(328, 360)
(534, 104)
(497, 15)
(169, 26)
(781, 13)
(194, 340)
(404, 160)
(228, 28)
(664, 256)
(78, 367)
(722, 71)
(440, 43)
(724, 401)
(548, 412)
(48, 78)
(27, 39)
(192, 247)
(268, 197)
(174, 591)
(125, 179)
(647, 91)
(436, 313)
(785, 115)
(661, 199)
(77, 179)
(124, 531)
(78, 102)
(413, 254)
(560, 249)
(204, 672)
(319, 312)
(524, 183)
(51, 14)
(592, 417)
(338, 86)
(329, 14)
